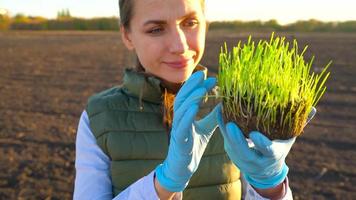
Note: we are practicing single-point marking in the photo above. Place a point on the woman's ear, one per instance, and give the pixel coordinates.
(126, 38)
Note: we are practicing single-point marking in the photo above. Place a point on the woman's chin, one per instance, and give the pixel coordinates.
(176, 80)
(177, 76)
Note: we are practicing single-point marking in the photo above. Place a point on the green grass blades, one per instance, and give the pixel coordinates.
(269, 87)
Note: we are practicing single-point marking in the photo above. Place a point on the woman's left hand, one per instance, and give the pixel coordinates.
(261, 161)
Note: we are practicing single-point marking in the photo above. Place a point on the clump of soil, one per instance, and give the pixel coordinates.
(275, 131)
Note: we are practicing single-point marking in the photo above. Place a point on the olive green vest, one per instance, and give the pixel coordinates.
(128, 126)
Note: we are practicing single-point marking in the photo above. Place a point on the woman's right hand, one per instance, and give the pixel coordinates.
(189, 138)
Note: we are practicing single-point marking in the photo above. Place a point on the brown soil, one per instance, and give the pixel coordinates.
(46, 78)
(249, 123)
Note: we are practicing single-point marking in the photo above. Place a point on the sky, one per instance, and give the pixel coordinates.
(284, 11)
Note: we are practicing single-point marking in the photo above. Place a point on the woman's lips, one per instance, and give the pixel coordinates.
(179, 64)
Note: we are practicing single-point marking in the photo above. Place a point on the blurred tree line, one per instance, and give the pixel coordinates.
(65, 21)
(311, 25)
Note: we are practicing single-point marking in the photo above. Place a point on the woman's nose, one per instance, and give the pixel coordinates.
(178, 41)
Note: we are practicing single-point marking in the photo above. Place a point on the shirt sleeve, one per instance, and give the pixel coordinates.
(143, 189)
(249, 193)
(93, 178)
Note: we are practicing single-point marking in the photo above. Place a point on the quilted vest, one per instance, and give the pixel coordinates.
(127, 123)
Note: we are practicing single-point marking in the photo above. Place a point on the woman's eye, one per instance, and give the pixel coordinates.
(191, 23)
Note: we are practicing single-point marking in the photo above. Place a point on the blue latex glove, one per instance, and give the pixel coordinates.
(189, 138)
(260, 160)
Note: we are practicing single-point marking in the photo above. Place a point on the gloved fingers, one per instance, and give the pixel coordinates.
(234, 140)
(238, 142)
(209, 83)
(183, 131)
(209, 123)
(235, 134)
(228, 138)
(262, 143)
(194, 81)
(219, 117)
(193, 99)
(274, 148)
(311, 115)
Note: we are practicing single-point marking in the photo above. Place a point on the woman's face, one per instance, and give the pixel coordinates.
(168, 37)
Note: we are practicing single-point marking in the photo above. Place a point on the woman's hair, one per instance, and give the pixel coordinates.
(126, 9)
(126, 13)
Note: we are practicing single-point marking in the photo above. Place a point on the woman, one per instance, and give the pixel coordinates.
(141, 140)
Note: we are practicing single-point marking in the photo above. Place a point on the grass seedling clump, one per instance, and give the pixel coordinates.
(269, 87)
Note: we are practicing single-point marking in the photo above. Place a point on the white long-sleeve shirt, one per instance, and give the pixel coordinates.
(93, 178)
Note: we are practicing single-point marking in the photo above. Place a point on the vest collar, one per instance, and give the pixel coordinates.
(147, 87)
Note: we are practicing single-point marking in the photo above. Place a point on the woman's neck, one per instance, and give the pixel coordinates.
(172, 88)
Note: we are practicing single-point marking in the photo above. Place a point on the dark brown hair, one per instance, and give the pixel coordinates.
(169, 90)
